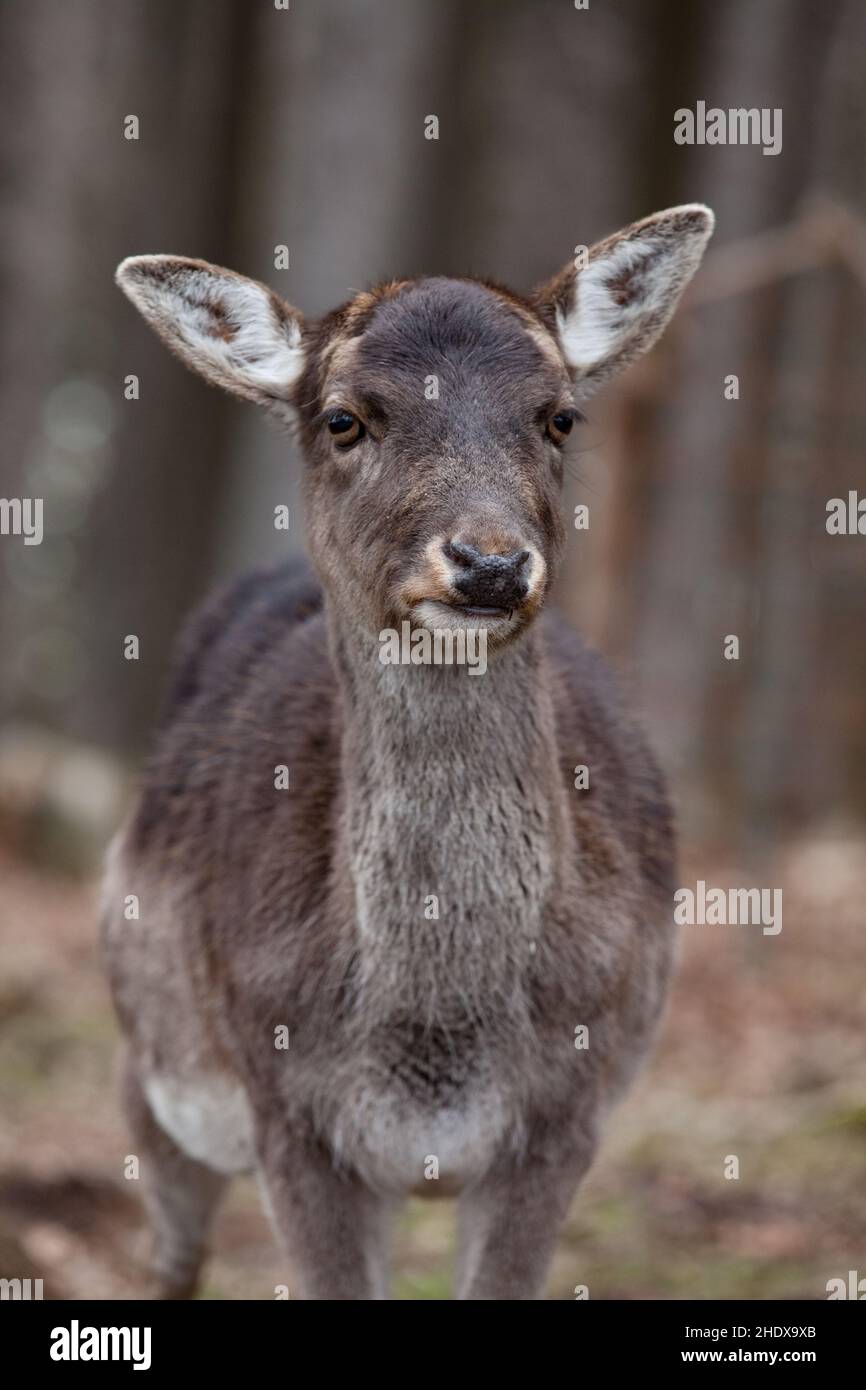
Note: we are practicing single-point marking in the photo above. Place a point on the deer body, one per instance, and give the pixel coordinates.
(430, 911)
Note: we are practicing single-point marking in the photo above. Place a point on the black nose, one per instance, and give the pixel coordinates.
(488, 581)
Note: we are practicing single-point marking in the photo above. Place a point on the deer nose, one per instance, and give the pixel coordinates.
(488, 580)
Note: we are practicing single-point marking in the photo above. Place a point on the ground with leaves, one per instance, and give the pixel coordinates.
(761, 1057)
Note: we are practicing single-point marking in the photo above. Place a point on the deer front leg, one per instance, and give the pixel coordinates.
(333, 1228)
(510, 1220)
(180, 1195)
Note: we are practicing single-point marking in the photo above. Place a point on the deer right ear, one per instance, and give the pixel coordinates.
(613, 307)
(233, 331)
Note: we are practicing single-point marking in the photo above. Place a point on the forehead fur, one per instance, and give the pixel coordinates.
(405, 331)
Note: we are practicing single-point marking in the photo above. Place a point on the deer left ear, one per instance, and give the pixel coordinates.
(235, 332)
(617, 305)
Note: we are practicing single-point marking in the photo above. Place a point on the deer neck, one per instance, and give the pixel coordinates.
(452, 821)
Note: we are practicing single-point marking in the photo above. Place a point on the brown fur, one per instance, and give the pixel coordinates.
(411, 1038)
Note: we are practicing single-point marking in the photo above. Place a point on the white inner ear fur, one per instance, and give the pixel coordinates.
(225, 326)
(652, 271)
(597, 325)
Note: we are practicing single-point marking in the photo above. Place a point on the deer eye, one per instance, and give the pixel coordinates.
(559, 425)
(346, 429)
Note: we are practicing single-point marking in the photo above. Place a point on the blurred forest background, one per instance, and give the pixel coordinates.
(261, 127)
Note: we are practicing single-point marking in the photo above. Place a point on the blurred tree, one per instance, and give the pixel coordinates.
(306, 128)
(131, 487)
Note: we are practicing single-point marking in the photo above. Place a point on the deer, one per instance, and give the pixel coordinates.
(422, 961)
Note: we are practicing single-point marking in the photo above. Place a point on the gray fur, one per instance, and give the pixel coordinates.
(411, 1039)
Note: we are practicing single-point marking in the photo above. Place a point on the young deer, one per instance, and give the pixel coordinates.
(426, 1054)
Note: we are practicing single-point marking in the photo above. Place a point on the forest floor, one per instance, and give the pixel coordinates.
(761, 1058)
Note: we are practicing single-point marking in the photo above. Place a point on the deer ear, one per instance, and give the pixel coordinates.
(614, 308)
(235, 332)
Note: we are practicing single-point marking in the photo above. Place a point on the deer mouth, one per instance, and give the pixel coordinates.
(468, 610)
(475, 610)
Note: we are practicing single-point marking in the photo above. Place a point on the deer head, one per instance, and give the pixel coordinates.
(433, 412)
